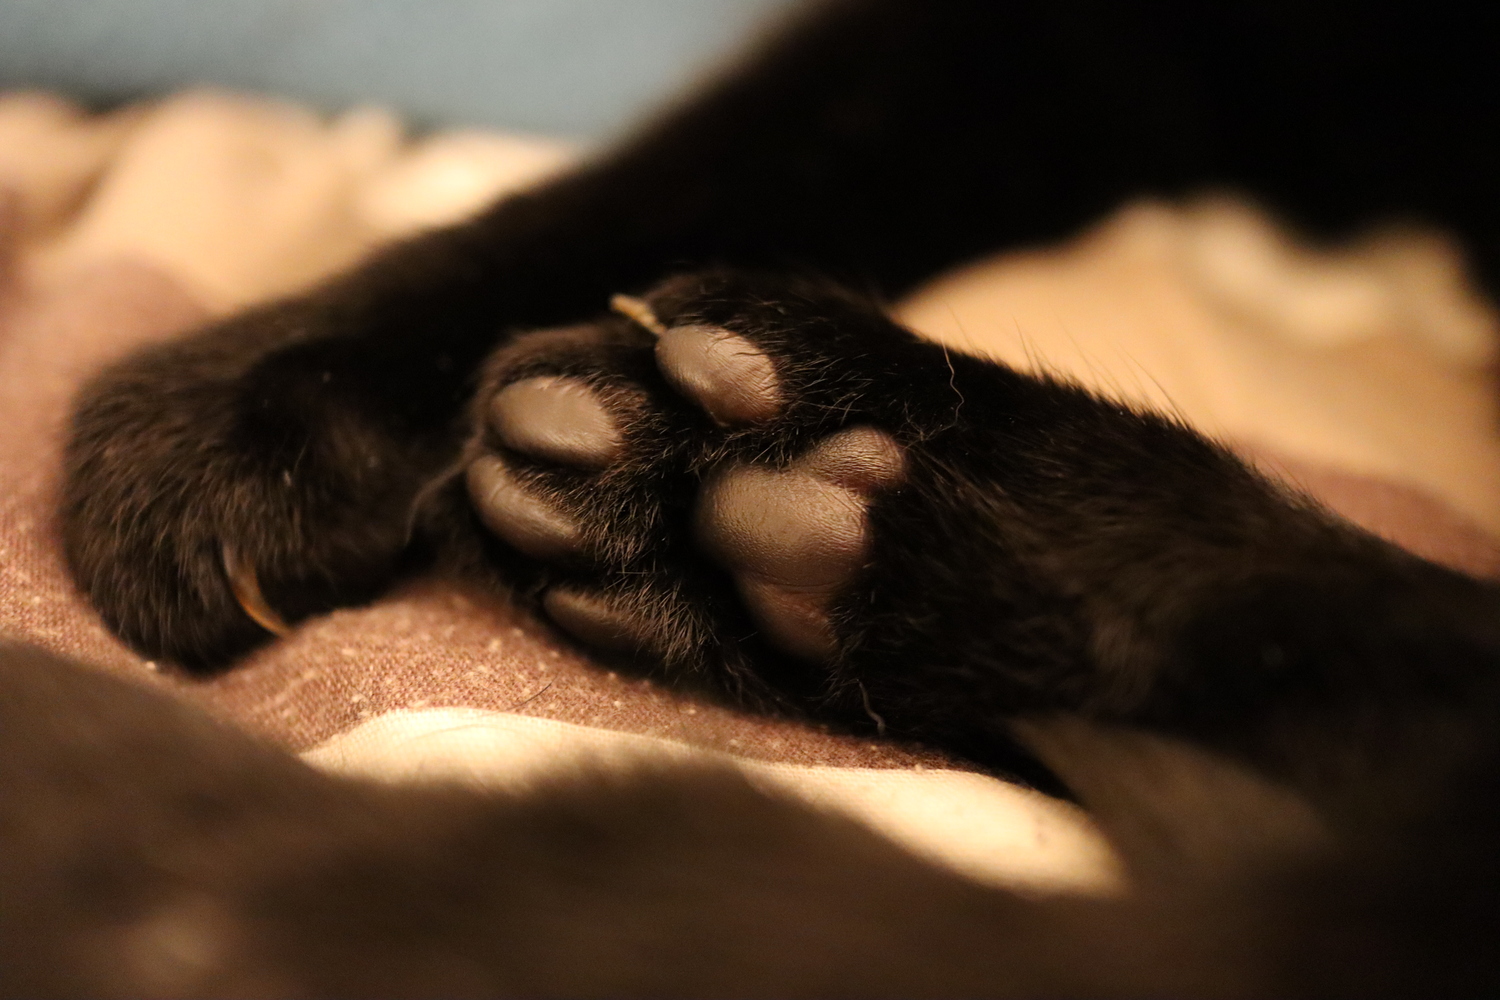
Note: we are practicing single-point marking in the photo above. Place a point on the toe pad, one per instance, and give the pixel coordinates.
(730, 378)
(522, 518)
(559, 420)
(597, 621)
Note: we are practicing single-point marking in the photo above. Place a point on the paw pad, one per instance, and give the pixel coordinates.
(525, 519)
(598, 621)
(730, 379)
(559, 420)
(794, 538)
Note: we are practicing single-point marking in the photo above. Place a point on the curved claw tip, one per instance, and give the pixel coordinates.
(246, 587)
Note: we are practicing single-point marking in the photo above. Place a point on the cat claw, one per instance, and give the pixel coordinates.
(246, 586)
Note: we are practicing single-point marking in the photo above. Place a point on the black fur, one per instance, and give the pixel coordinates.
(1313, 808)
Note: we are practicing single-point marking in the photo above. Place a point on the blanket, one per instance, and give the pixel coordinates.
(1360, 373)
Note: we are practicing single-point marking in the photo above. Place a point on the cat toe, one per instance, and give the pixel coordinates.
(795, 538)
(730, 378)
(615, 625)
(557, 419)
(515, 511)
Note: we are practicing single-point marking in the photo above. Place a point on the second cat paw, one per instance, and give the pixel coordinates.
(693, 484)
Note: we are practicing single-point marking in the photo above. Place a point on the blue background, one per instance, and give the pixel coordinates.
(580, 68)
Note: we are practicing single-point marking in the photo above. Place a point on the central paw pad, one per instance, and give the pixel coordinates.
(794, 538)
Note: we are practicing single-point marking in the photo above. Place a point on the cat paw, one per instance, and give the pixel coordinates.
(222, 486)
(695, 482)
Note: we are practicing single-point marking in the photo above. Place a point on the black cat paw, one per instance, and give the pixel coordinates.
(694, 483)
(219, 487)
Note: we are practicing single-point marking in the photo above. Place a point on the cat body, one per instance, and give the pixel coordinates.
(748, 480)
